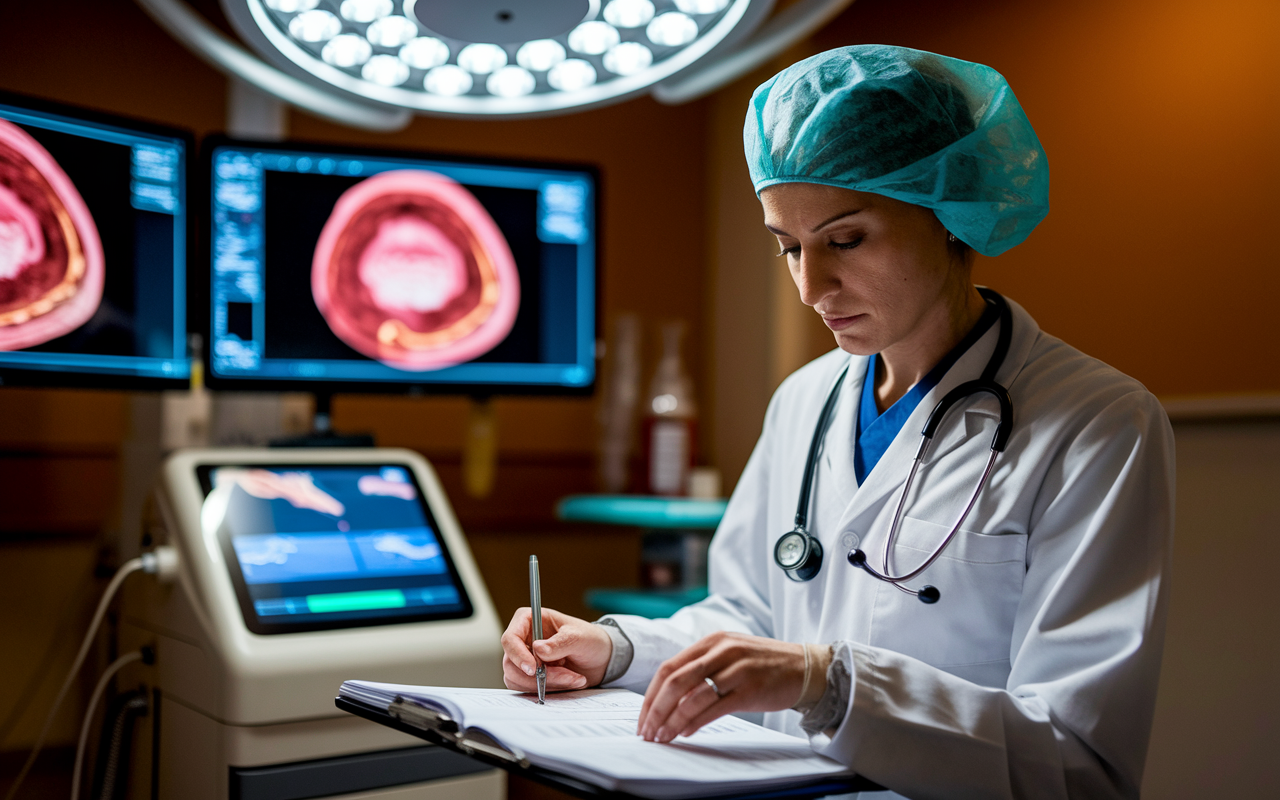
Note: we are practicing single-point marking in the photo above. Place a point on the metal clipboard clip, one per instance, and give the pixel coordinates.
(468, 741)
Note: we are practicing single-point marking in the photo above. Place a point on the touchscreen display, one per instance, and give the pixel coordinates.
(313, 547)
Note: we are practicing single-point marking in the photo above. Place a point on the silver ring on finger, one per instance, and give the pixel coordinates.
(713, 686)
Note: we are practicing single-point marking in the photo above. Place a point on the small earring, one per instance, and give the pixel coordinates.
(951, 237)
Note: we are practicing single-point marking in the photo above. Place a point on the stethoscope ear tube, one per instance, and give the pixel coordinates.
(963, 391)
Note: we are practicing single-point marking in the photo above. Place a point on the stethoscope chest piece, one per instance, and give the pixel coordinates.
(799, 555)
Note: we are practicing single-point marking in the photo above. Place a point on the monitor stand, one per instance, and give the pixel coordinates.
(322, 433)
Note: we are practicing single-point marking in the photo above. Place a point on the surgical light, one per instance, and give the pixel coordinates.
(628, 58)
(628, 13)
(701, 6)
(672, 29)
(385, 70)
(511, 81)
(314, 26)
(392, 31)
(448, 80)
(540, 55)
(675, 49)
(593, 38)
(292, 6)
(346, 50)
(425, 52)
(571, 75)
(482, 59)
(364, 10)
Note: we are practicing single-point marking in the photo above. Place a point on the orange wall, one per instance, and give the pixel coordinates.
(1161, 120)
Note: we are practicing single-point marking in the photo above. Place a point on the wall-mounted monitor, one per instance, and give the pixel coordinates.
(341, 270)
(93, 248)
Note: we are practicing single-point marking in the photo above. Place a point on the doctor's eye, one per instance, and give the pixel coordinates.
(847, 245)
(787, 251)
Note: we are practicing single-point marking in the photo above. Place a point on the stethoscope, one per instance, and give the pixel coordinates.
(799, 554)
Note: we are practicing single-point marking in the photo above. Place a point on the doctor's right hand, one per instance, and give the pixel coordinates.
(575, 652)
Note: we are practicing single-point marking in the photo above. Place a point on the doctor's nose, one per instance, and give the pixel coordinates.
(814, 279)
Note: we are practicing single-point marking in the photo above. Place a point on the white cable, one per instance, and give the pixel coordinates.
(115, 667)
(783, 29)
(228, 57)
(127, 569)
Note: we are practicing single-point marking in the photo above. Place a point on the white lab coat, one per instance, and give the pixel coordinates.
(1035, 674)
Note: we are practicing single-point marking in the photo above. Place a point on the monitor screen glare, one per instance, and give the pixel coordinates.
(92, 248)
(372, 269)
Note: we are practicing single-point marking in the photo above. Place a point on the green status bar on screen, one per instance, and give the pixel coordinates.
(355, 601)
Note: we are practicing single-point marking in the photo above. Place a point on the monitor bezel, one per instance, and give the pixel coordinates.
(249, 615)
(54, 379)
(200, 267)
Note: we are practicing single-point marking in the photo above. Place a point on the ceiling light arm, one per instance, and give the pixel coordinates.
(226, 56)
(792, 24)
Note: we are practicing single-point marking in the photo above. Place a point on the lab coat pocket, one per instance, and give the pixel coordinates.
(968, 631)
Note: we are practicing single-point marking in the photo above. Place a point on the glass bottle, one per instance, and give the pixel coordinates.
(669, 429)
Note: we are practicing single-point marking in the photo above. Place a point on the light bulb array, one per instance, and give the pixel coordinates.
(380, 51)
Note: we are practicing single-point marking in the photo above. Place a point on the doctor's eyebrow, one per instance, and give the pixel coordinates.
(819, 226)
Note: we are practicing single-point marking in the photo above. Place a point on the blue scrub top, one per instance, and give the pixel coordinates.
(877, 431)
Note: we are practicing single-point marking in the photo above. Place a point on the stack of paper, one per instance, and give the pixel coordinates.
(591, 735)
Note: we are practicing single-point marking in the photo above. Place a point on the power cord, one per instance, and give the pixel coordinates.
(145, 655)
(161, 562)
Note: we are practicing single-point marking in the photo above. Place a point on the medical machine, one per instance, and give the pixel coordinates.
(298, 569)
(340, 270)
(93, 248)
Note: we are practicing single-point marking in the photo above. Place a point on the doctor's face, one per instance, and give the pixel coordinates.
(878, 270)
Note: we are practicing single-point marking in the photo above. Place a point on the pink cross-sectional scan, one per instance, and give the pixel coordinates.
(51, 269)
(411, 270)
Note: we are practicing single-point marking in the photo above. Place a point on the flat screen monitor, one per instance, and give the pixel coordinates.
(342, 270)
(318, 547)
(93, 246)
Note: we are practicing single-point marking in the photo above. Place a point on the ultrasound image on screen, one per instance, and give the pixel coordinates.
(92, 246)
(412, 271)
(50, 253)
(322, 547)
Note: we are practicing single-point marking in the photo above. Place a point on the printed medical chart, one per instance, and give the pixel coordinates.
(591, 735)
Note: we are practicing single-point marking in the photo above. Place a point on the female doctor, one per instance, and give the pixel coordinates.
(996, 630)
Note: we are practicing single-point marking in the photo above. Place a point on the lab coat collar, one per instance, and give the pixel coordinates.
(891, 473)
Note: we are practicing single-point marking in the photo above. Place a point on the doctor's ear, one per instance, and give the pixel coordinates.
(961, 253)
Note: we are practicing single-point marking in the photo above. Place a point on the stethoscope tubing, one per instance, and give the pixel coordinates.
(985, 384)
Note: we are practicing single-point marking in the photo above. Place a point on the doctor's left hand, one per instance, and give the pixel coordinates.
(752, 673)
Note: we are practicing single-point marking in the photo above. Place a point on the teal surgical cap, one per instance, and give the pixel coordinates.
(922, 128)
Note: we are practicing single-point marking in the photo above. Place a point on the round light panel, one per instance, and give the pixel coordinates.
(488, 57)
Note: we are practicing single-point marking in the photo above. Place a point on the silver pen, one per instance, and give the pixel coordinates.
(535, 602)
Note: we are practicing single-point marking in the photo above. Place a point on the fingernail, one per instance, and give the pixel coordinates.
(579, 683)
(528, 669)
(662, 736)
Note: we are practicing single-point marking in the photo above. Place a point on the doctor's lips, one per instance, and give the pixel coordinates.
(412, 271)
(51, 266)
(840, 323)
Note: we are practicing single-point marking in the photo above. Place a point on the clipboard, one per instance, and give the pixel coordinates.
(436, 729)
